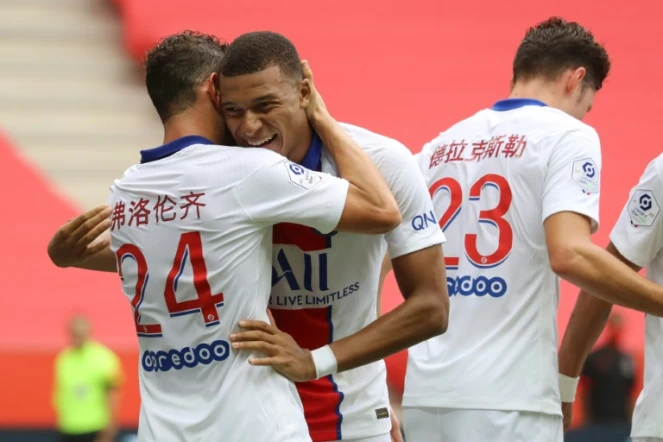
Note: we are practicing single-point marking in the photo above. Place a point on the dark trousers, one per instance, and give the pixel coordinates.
(84, 437)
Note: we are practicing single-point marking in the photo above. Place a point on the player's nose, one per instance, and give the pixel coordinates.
(251, 124)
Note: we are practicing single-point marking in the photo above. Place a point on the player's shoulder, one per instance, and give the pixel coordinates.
(651, 177)
(656, 163)
(377, 146)
(554, 124)
(198, 161)
(228, 156)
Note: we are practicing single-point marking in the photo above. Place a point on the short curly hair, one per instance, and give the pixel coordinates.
(554, 45)
(177, 65)
(255, 51)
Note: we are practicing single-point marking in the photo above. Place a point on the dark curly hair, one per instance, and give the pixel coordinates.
(176, 66)
(255, 51)
(554, 45)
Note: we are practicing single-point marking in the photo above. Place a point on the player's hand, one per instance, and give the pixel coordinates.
(282, 352)
(567, 411)
(316, 108)
(72, 243)
(396, 435)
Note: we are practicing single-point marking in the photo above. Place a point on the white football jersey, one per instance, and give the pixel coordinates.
(325, 289)
(638, 236)
(495, 178)
(192, 231)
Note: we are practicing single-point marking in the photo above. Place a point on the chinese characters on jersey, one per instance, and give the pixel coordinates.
(507, 146)
(165, 209)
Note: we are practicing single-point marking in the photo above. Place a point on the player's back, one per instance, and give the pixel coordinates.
(193, 265)
(495, 177)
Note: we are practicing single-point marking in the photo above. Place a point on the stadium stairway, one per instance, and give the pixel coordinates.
(70, 98)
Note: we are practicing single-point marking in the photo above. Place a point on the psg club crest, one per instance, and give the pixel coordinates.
(643, 208)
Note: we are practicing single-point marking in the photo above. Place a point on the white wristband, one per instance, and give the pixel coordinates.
(568, 387)
(324, 361)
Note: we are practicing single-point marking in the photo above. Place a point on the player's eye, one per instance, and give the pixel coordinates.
(266, 107)
(231, 110)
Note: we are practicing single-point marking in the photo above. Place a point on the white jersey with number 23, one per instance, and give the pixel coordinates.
(495, 178)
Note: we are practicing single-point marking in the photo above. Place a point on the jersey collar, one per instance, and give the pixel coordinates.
(171, 148)
(313, 158)
(516, 103)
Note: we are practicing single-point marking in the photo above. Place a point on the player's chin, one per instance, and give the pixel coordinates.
(275, 145)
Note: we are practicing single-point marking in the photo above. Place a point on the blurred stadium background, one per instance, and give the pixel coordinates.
(74, 113)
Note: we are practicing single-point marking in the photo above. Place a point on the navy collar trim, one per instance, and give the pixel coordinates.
(157, 153)
(516, 103)
(313, 158)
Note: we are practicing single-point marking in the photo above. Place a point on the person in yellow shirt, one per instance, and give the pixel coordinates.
(87, 380)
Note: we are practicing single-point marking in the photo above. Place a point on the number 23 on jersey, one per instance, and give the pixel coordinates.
(494, 217)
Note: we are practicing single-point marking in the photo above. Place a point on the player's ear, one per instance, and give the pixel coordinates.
(575, 78)
(304, 93)
(213, 90)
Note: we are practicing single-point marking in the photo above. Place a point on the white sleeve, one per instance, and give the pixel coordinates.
(421, 163)
(283, 191)
(419, 228)
(573, 176)
(638, 234)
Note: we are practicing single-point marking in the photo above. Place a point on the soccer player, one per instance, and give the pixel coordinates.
(636, 240)
(191, 228)
(324, 286)
(516, 189)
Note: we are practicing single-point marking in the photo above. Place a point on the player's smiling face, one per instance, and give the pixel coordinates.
(266, 109)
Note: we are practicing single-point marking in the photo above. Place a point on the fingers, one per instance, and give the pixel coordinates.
(75, 223)
(258, 325)
(91, 221)
(94, 233)
(308, 73)
(262, 362)
(261, 346)
(93, 250)
(255, 335)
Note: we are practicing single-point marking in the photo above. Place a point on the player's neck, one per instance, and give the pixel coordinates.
(300, 150)
(187, 124)
(537, 90)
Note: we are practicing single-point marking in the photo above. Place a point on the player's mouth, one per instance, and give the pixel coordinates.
(261, 142)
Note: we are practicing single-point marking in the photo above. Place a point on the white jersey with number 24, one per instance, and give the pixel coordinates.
(192, 231)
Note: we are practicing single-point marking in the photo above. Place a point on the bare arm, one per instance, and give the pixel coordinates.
(384, 271)
(588, 319)
(575, 258)
(421, 278)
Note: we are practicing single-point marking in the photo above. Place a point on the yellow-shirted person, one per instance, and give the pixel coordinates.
(87, 380)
